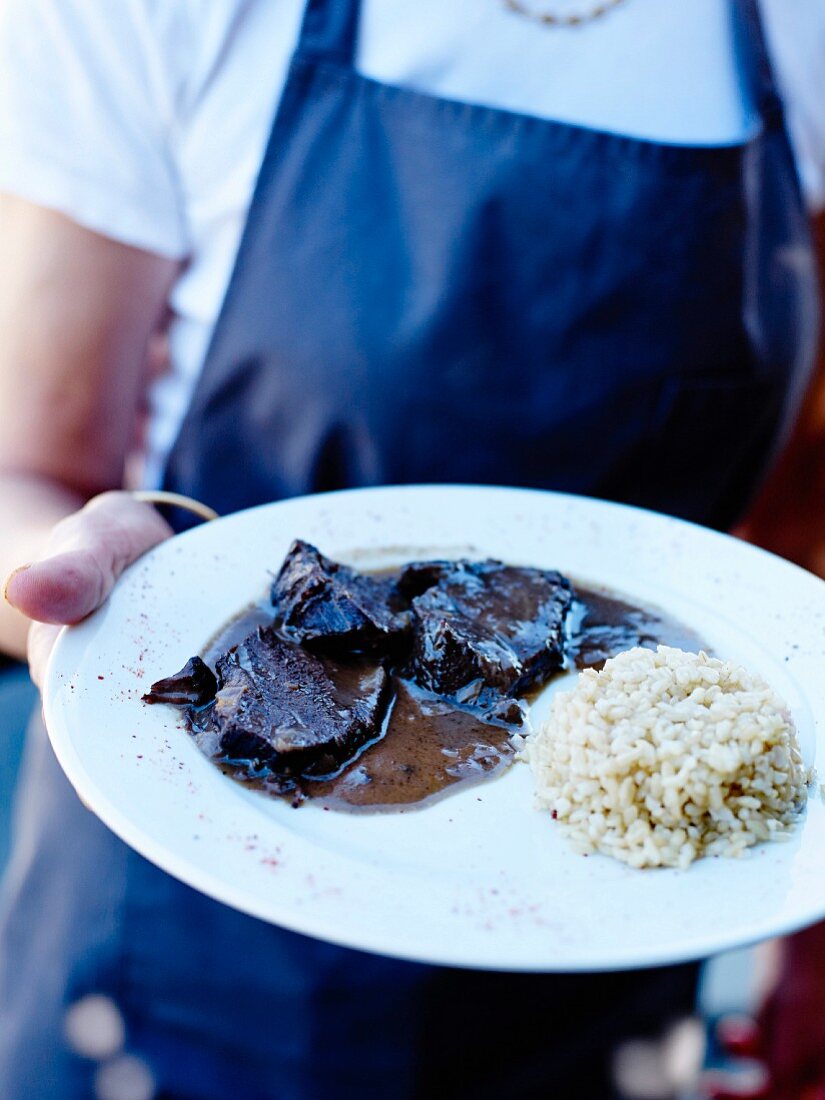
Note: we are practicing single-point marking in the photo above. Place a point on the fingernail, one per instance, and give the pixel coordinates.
(10, 578)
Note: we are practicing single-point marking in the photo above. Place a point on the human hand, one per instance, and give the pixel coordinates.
(788, 1037)
(84, 556)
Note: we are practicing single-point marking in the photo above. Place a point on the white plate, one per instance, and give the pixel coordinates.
(480, 878)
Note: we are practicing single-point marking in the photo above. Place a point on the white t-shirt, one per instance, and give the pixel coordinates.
(146, 120)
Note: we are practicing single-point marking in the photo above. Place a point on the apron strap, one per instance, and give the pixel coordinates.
(758, 66)
(329, 30)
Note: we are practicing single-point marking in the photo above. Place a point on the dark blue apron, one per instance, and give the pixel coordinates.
(434, 291)
(427, 290)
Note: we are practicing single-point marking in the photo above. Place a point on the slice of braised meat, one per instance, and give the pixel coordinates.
(487, 629)
(334, 609)
(283, 708)
(417, 576)
(195, 685)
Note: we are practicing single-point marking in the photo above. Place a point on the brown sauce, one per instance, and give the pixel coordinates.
(429, 746)
(601, 625)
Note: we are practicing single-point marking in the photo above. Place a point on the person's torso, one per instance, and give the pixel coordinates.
(433, 289)
(661, 71)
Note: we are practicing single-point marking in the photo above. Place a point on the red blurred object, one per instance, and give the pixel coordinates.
(789, 514)
(723, 1086)
(739, 1035)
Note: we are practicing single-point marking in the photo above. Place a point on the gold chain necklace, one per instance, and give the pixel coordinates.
(555, 19)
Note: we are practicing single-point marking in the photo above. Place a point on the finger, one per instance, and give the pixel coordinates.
(63, 588)
(87, 553)
(42, 637)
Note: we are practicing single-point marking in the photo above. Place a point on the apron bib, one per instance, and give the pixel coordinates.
(426, 290)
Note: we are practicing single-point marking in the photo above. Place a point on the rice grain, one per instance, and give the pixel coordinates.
(664, 756)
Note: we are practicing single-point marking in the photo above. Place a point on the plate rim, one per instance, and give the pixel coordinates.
(118, 821)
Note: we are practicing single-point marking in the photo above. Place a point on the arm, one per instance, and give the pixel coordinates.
(76, 313)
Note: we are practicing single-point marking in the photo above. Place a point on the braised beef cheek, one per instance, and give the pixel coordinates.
(288, 710)
(371, 691)
(485, 630)
(195, 685)
(334, 609)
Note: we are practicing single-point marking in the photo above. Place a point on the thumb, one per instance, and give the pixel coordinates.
(86, 554)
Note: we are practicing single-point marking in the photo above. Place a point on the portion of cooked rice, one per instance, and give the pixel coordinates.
(665, 756)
